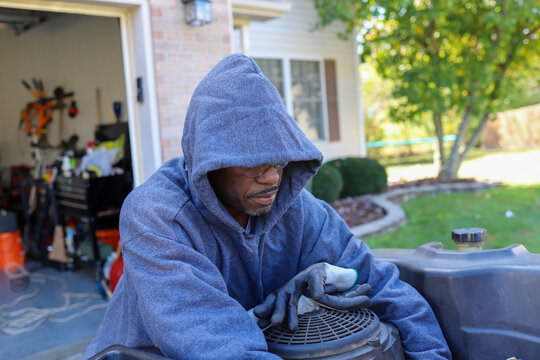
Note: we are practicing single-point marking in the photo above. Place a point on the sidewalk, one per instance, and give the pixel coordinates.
(517, 168)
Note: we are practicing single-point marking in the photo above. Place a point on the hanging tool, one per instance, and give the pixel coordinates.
(98, 106)
(43, 108)
(37, 115)
(34, 92)
(73, 110)
(117, 107)
(59, 96)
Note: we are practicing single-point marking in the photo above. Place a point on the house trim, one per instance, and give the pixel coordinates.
(362, 151)
(260, 10)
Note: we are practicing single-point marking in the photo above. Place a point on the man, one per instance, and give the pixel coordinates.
(216, 232)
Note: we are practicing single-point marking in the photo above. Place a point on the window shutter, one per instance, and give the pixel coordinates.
(331, 99)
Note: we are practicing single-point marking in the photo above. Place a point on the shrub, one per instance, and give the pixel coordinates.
(327, 183)
(337, 163)
(362, 176)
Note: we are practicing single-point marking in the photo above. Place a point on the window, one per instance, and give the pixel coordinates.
(237, 40)
(300, 85)
(307, 98)
(273, 70)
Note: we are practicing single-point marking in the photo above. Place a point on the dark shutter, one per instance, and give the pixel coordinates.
(331, 99)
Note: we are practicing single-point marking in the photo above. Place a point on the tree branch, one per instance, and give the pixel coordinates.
(437, 121)
(475, 136)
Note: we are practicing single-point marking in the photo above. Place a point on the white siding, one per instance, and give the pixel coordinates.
(293, 36)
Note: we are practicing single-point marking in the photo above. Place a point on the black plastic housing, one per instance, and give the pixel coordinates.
(119, 352)
(487, 302)
(328, 334)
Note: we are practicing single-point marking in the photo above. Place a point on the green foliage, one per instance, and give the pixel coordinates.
(352, 176)
(444, 58)
(433, 218)
(337, 163)
(526, 92)
(377, 103)
(362, 176)
(327, 183)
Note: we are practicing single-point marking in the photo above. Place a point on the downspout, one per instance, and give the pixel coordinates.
(361, 133)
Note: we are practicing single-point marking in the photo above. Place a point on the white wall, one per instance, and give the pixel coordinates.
(292, 36)
(78, 53)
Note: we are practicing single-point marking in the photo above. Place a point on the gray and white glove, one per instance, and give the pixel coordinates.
(329, 285)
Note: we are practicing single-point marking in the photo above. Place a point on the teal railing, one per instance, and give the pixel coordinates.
(375, 144)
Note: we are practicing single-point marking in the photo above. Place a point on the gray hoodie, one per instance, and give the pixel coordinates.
(191, 271)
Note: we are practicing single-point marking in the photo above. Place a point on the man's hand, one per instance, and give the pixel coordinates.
(329, 285)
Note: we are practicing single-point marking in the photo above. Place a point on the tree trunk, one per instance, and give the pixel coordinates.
(438, 159)
(474, 138)
(450, 169)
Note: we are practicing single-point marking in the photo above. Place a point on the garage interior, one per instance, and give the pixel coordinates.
(65, 169)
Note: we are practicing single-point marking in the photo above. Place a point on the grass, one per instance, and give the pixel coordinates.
(511, 213)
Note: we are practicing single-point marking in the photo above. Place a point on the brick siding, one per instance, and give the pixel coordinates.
(182, 56)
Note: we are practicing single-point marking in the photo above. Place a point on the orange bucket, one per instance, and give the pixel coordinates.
(11, 250)
(11, 247)
(110, 236)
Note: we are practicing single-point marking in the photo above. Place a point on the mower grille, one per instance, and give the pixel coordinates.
(324, 326)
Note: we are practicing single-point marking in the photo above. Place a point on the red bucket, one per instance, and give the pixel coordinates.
(111, 237)
(11, 247)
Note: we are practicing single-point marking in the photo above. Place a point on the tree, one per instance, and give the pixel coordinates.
(377, 101)
(444, 57)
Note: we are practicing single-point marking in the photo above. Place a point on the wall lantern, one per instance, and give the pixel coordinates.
(197, 12)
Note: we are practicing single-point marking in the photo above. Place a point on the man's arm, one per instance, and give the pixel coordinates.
(183, 302)
(328, 239)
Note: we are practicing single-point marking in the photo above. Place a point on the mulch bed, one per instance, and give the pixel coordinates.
(360, 210)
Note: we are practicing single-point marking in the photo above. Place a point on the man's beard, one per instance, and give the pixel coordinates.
(259, 212)
(230, 201)
(262, 211)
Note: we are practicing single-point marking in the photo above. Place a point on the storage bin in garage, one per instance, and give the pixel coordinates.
(11, 247)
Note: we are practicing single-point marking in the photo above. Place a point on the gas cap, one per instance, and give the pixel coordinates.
(469, 239)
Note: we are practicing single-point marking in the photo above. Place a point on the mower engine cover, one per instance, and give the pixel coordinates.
(486, 301)
(332, 334)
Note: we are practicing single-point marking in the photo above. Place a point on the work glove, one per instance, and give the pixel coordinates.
(328, 285)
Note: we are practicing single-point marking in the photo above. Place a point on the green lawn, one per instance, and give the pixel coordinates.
(511, 215)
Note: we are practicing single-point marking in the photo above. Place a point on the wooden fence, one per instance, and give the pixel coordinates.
(513, 129)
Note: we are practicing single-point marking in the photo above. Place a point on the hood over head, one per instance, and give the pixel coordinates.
(236, 117)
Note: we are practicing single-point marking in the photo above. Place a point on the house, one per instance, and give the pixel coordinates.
(142, 54)
(137, 62)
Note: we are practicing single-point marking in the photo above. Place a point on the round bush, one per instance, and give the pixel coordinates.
(327, 183)
(362, 176)
(337, 163)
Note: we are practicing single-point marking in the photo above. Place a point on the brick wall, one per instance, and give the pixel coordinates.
(182, 56)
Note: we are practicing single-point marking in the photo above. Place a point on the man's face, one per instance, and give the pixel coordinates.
(243, 190)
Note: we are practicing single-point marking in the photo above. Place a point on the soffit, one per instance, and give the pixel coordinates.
(259, 10)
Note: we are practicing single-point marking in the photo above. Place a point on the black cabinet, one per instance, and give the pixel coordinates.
(95, 201)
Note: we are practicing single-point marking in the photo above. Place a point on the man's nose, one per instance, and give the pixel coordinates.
(270, 177)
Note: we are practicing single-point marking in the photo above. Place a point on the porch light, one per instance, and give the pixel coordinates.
(197, 12)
